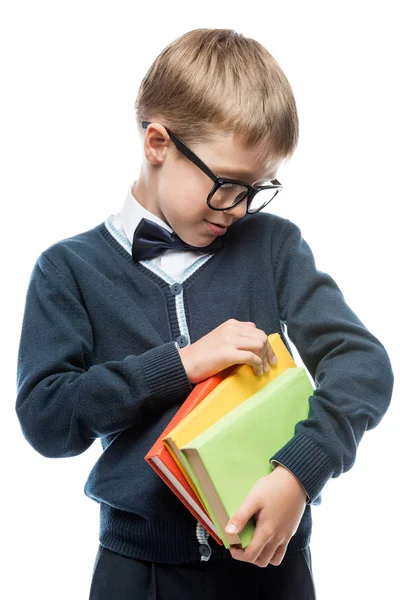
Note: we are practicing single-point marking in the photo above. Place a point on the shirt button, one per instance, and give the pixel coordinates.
(204, 550)
(181, 341)
(176, 289)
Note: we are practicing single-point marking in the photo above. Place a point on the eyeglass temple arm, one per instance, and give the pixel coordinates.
(187, 152)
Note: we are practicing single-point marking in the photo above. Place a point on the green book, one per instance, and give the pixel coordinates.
(227, 458)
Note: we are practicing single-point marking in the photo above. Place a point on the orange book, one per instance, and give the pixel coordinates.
(164, 465)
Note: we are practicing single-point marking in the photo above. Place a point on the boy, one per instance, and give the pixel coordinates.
(121, 322)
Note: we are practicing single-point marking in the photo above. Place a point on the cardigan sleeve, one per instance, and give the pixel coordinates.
(351, 369)
(64, 401)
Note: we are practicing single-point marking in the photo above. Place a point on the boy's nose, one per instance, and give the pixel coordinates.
(238, 211)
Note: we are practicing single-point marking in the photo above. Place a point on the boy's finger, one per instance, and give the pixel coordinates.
(260, 542)
(258, 370)
(271, 356)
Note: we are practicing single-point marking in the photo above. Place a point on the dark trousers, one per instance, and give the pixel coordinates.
(117, 577)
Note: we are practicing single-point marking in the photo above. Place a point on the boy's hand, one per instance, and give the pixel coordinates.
(277, 502)
(233, 342)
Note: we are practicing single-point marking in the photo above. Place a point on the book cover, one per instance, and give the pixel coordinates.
(234, 451)
(231, 391)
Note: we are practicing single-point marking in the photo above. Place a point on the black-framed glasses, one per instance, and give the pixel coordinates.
(227, 193)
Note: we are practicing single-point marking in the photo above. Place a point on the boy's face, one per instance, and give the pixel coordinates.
(173, 188)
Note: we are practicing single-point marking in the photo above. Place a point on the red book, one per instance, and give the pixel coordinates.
(164, 465)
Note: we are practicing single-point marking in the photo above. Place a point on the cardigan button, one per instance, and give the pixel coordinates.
(176, 289)
(181, 341)
(205, 550)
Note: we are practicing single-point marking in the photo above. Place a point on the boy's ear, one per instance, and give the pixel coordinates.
(156, 143)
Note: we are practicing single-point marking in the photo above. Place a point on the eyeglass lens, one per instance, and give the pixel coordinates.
(229, 194)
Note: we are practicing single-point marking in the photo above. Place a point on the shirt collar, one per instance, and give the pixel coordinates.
(132, 212)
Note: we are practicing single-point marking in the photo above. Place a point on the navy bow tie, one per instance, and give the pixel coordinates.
(150, 240)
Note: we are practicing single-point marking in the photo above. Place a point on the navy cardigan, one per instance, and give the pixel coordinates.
(98, 359)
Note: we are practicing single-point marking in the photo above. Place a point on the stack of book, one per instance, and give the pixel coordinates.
(220, 441)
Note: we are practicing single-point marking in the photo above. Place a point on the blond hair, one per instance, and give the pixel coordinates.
(209, 82)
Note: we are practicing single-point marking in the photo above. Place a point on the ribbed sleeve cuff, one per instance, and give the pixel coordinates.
(165, 374)
(308, 462)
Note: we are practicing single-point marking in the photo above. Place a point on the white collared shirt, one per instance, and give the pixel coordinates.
(173, 262)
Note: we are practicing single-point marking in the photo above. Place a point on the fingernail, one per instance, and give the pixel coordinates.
(274, 360)
(266, 367)
(231, 528)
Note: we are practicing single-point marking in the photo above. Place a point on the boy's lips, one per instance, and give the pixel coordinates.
(215, 228)
(219, 224)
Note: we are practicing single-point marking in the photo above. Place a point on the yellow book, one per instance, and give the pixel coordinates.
(239, 385)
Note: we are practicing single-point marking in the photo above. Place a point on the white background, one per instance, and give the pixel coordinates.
(69, 150)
